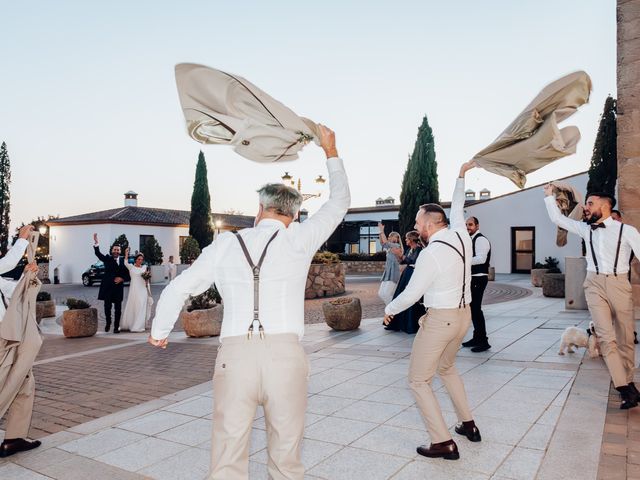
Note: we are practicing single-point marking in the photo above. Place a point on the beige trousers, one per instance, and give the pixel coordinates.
(611, 307)
(272, 372)
(21, 410)
(434, 350)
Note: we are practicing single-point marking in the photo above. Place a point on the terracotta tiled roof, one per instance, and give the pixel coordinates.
(148, 216)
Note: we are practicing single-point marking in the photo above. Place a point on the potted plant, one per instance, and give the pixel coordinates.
(45, 306)
(343, 313)
(537, 272)
(80, 320)
(553, 279)
(202, 316)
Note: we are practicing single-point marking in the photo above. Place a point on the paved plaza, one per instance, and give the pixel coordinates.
(541, 415)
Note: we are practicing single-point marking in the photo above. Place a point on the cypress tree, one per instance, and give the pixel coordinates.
(603, 171)
(152, 251)
(5, 182)
(200, 226)
(420, 182)
(122, 241)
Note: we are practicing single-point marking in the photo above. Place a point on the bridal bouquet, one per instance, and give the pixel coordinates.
(146, 275)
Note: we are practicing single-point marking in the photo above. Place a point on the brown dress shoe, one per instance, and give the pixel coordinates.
(447, 450)
(469, 430)
(16, 445)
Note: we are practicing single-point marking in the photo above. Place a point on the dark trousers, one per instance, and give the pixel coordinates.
(118, 311)
(478, 286)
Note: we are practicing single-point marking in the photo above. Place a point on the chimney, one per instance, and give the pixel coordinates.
(470, 195)
(131, 199)
(485, 194)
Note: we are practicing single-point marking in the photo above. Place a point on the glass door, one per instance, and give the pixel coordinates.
(523, 249)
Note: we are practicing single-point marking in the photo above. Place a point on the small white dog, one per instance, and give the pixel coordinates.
(576, 337)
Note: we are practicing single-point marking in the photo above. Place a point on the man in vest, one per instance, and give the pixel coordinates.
(609, 246)
(261, 275)
(442, 275)
(481, 249)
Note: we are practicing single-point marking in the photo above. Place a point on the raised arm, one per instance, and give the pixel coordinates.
(315, 231)
(126, 260)
(96, 248)
(193, 281)
(383, 237)
(456, 215)
(15, 253)
(573, 226)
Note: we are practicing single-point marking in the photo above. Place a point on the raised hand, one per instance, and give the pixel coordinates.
(465, 167)
(328, 141)
(25, 231)
(31, 267)
(548, 189)
(95, 238)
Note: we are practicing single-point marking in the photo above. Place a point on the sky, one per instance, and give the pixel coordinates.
(89, 109)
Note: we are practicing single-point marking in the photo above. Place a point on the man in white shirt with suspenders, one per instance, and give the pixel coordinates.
(261, 274)
(609, 245)
(443, 275)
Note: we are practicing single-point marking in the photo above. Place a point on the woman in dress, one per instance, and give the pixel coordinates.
(391, 274)
(407, 321)
(135, 312)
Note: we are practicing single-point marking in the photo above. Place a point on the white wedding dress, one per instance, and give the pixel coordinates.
(136, 311)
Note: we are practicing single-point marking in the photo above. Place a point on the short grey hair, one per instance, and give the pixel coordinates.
(280, 199)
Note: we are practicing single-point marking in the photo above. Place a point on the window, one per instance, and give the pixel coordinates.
(143, 240)
(181, 240)
(523, 252)
(373, 244)
(354, 248)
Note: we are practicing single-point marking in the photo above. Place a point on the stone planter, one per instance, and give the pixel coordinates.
(575, 269)
(343, 313)
(553, 285)
(492, 274)
(45, 309)
(324, 280)
(536, 276)
(81, 322)
(202, 323)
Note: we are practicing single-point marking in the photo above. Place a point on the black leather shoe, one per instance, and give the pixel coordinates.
(107, 327)
(17, 445)
(472, 434)
(634, 391)
(483, 347)
(635, 337)
(628, 398)
(116, 330)
(447, 450)
(470, 343)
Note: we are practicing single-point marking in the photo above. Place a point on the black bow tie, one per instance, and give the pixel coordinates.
(595, 226)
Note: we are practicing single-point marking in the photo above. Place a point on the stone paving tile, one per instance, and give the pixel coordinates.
(197, 407)
(313, 452)
(419, 470)
(338, 430)
(397, 396)
(16, 472)
(351, 463)
(324, 405)
(192, 433)
(521, 464)
(189, 464)
(82, 468)
(369, 411)
(401, 442)
(141, 454)
(155, 422)
(102, 442)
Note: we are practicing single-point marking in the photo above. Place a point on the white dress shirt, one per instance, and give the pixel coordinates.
(8, 263)
(483, 247)
(438, 274)
(605, 240)
(283, 276)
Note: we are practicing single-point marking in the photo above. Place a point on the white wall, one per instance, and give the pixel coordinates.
(524, 209)
(71, 246)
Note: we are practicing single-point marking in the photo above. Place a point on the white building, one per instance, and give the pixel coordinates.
(516, 224)
(71, 238)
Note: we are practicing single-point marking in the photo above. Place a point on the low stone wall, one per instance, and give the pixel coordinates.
(43, 272)
(325, 280)
(364, 267)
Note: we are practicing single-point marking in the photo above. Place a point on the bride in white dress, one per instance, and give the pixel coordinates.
(137, 309)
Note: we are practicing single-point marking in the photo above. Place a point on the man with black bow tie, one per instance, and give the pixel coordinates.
(609, 245)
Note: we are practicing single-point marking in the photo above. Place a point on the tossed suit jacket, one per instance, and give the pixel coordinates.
(109, 290)
(225, 109)
(534, 139)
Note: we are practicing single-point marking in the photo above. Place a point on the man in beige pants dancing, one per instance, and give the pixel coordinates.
(261, 275)
(443, 275)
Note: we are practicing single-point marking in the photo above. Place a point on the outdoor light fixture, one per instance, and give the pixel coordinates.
(320, 179)
(42, 229)
(286, 177)
(218, 224)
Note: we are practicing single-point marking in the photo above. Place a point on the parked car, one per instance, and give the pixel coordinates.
(95, 272)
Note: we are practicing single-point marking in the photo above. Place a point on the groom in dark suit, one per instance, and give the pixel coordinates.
(112, 285)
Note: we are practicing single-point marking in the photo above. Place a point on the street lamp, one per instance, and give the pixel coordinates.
(289, 180)
(218, 224)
